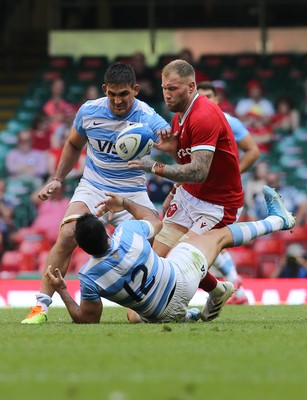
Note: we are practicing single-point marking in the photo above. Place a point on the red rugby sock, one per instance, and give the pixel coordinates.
(208, 283)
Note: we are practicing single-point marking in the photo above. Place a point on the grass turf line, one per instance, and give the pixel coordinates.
(247, 353)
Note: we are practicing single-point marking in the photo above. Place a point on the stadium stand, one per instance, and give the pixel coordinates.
(22, 101)
(269, 251)
(246, 260)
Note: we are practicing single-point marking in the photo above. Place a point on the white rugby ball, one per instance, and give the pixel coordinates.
(134, 142)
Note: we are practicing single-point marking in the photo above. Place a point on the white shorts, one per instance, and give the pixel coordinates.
(198, 215)
(190, 267)
(90, 196)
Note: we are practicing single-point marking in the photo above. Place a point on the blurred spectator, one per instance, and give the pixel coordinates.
(91, 92)
(144, 77)
(255, 103)
(54, 155)
(222, 93)
(25, 162)
(262, 134)
(248, 149)
(50, 213)
(286, 118)
(40, 133)
(187, 55)
(254, 201)
(256, 112)
(295, 201)
(57, 110)
(294, 263)
(6, 218)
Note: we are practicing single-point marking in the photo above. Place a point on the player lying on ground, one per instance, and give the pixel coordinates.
(126, 270)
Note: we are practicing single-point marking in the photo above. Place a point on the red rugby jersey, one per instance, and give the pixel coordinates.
(204, 127)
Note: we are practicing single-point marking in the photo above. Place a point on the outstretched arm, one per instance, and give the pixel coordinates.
(195, 172)
(250, 152)
(116, 203)
(70, 155)
(89, 312)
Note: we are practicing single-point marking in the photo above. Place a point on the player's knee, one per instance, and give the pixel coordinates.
(66, 237)
(133, 317)
(169, 235)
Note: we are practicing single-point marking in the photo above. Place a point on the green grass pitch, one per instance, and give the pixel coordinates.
(256, 352)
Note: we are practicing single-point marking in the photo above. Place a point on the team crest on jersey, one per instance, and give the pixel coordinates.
(171, 210)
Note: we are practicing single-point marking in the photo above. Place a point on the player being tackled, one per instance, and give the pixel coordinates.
(155, 289)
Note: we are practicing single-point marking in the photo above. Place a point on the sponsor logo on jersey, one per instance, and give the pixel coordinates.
(184, 152)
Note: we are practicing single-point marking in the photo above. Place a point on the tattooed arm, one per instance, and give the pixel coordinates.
(194, 172)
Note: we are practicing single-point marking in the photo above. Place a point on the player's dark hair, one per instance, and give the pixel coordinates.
(205, 85)
(91, 235)
(120, 73)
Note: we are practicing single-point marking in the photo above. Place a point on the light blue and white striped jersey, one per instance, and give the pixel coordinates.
(237, 127)
(131, 273)
(104, 169)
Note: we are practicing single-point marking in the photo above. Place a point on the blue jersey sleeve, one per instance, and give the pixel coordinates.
(78, 122)
(89, 289)
(237, 127)
(156, 123)
(143, 228)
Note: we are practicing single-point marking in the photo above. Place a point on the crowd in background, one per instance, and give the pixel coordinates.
(38, 149)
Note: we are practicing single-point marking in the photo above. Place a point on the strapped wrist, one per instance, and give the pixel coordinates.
(57, 179)
(158, 169)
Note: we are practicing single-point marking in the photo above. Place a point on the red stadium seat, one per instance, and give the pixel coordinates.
(30, 249)
(60, 62)
(52, 75)
(297, 235)
(87, 76)
(12, 261)
(270, 250)
(267, 269)
(29, 233)
(247, 60)
(246, 261)
(94, 62)
(272, 244)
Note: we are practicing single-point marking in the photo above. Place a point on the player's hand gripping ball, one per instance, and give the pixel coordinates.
(134, 142)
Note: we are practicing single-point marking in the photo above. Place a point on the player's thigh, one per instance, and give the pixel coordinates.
(75, 208)
(190, 266)
(141, 198)
(89, 196)
(168, 237)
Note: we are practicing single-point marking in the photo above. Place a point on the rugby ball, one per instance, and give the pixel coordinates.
(134, 142)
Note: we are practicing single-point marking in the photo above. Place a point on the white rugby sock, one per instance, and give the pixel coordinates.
(43, 300)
